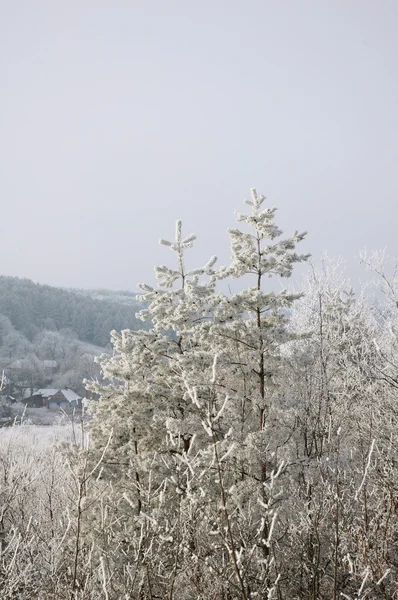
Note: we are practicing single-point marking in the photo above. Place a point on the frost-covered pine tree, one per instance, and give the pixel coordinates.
(251, 325)
(246, 334)
(146, 363)
(188, 406)
(146, 406)
(249, 329)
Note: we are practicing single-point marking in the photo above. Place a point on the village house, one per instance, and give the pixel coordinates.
(54, 398)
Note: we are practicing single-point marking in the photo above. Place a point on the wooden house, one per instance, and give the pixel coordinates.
(55, 398)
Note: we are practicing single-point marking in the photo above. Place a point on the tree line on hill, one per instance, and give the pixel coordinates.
(32, 308)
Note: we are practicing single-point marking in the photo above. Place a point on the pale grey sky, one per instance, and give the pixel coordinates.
(118, 117)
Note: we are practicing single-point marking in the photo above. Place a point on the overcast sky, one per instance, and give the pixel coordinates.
(118, 117)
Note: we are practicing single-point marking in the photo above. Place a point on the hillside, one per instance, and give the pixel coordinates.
(32, 307)
(50, 336)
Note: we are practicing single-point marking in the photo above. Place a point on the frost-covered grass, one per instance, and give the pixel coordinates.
(39, 438)
(39, 470)
(21, 414)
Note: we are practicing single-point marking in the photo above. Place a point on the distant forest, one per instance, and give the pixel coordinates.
(90, 315)
(49, 336)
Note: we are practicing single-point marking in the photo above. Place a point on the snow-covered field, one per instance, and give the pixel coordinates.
(38, 438)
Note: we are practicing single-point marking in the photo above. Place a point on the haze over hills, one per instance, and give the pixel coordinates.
(119, 296)
(49, 336)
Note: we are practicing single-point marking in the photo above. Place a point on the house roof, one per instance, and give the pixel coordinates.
(68, 394)
(46, 392)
